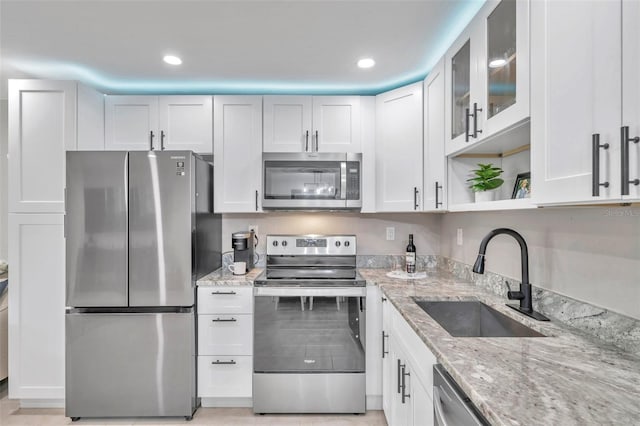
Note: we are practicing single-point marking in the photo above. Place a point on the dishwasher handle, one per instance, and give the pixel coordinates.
(438, 410)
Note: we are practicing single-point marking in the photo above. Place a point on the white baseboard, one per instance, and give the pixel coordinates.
(374, 402)
(42, 403)
(226, 402)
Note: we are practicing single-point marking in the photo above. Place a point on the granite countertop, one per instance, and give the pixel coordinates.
(561, 379)
(224, 277)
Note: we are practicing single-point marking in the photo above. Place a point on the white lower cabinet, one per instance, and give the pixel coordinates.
(373, 347)
(407, 380)
(225, 346)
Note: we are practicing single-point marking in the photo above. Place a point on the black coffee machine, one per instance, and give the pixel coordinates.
(244, 248)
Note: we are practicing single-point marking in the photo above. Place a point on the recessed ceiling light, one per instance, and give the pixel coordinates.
(497, 63)
(172, 60)
(366, 63)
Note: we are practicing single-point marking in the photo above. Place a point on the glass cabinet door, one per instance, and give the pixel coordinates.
(501, 57)
(461, 87)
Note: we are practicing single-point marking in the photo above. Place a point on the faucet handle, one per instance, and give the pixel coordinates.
(513, 295)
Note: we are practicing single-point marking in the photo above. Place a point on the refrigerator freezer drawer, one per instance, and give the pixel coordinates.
(228, 334)
(130, 365)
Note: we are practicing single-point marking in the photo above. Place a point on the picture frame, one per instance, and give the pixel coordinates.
(522, 186)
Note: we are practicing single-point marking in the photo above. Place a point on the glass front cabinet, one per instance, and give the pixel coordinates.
(488, 75)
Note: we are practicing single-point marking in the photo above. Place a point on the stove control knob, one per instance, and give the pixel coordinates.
(337, 243)
(284, 243)
(346, 243)
(275, 244)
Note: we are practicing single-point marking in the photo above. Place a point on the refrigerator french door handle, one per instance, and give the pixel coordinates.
(126, 210)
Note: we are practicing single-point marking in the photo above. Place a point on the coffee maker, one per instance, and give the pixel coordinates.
(244, 248)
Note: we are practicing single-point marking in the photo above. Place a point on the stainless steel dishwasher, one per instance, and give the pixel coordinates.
(451, 407)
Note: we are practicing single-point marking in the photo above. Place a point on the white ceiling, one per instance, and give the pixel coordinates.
(302, 46)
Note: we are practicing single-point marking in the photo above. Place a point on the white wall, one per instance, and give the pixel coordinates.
(3, 178)
(370, 229)
(590, 254)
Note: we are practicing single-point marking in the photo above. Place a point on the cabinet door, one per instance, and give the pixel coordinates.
(434, 128)
(42, 127)
(336, 123)
(237, 153)
(131, 123)
(421, 402)
(185, 123)
(388, 384)
(576, 86)
(503, 64)
(287, 124)
(461, 69)
(36, 317)
(631, 88)
(399, 149)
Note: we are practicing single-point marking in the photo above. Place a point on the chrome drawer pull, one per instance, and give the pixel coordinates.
(224, 320)
(223, 292)
(218, 362)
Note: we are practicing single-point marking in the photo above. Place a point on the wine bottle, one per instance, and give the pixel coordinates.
(410, 257)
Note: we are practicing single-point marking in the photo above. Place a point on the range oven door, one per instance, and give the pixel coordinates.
(309, 350)
(311, 181)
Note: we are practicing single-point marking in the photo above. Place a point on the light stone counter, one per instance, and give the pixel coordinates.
(562, 379)
(224, 277)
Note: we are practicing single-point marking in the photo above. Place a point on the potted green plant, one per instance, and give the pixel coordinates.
(485, 179)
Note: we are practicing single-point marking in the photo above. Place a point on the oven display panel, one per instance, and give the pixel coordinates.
(311, 242)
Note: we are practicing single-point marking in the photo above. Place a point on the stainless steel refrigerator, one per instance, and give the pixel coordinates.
(139, 230)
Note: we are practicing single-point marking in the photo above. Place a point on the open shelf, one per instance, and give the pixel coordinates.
(500, 143)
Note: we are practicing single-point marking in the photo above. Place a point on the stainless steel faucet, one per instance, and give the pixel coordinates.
(524, 294)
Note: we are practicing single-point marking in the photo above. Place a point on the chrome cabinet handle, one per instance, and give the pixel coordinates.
(317, 142)
(384, 336)
(223, 292)
(218, 362)
(162, 140)
(475, 120)
(224, 320)
(625, 141)
(438, 203)
(256, 200)
(306, 144)
(415, 198)
(595, 172)
(404, 383)
(151, 135)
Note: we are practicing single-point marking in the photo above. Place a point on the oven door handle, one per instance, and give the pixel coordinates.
(310, 291)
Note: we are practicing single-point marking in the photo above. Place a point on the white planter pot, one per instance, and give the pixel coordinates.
(484, 196)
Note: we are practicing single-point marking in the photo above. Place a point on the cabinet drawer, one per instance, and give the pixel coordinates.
(225, 376)
(225, 300)
(229, 334)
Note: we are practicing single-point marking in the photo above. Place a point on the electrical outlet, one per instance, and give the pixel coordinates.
(459, 238)
(253, 228)
(391, 233)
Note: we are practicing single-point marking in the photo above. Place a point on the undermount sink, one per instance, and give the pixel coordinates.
(474, 319)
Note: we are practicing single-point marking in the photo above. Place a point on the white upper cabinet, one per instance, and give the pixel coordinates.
(576, 101)
(311, 124)
(399, 149)
(237, 153)
(142, 123)
(434, 187)
(185, 123)
(488, 75)
(131, 123)
(44, 123)
(336, 123)
(631, 91)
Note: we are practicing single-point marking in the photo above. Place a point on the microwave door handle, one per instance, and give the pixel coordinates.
(343, 180)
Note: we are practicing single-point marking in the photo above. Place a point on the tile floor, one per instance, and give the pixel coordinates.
(12, 415)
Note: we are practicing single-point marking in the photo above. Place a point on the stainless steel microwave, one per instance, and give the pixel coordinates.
(311, 181)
